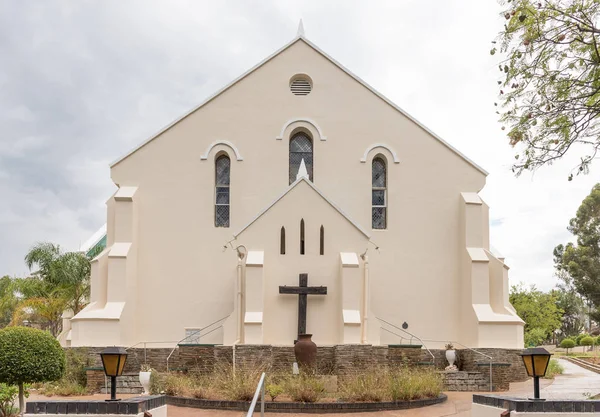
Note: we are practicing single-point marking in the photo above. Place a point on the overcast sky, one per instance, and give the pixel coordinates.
(82, 82)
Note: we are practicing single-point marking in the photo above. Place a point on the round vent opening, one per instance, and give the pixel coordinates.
(301, 85)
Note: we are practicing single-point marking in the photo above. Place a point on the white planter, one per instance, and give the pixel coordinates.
(451, 357)
(145, 381)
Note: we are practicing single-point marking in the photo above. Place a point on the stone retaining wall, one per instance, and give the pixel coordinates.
(507, 365)
(339, 360)
(126, 383)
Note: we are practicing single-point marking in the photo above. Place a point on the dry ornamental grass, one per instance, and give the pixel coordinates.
(374, 385)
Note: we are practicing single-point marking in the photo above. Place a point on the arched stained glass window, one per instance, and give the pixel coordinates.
(379, 193)
(301, 149)
(222, 177)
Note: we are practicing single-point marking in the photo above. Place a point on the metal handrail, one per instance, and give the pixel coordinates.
(472, 350)
(395, 334)
(195, 333)
(409, 333)
(259, 389)
(439, 341)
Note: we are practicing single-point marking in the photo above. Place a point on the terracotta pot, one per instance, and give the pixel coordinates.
(306, 351)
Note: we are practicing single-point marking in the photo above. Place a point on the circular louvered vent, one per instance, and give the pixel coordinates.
(301, 85)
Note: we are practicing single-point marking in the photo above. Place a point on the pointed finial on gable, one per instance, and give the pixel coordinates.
(300, 29)
(302, 172)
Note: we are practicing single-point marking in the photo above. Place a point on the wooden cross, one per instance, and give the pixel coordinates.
(302, 290)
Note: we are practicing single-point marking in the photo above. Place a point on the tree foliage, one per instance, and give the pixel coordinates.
(7, 302)
(567, 344)
(535, 336)
(60, 281)
(581, 260)
(572, 305)
(538, 309)
(29, 355)
(550, 79)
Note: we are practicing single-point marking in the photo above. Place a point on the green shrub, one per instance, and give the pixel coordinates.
(29, 355)
(370, 386)
(305, 388)
(274, 391)
(567, 344)
(76, 363)
(554, 368)
(8, 396)
(578, 338)
(587, 341)
(157, 383)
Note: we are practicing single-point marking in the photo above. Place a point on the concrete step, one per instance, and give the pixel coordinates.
(465, 381)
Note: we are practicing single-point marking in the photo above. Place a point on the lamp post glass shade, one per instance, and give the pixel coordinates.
(536, 361)
(113, 360)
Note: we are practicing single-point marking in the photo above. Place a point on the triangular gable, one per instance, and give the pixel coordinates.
(312, 186)
(301, 37)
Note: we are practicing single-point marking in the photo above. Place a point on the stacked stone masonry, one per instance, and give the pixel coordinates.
(465, 381)
(340, 360)
(126, 384)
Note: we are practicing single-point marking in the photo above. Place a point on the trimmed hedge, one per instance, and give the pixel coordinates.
(29, 355)
(567, 344)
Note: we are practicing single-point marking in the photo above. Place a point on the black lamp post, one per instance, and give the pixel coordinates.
(113, 361)
(536, 362)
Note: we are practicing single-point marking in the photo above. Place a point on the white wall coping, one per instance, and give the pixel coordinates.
(349, 259)
(351, 316)
(253, 317)
(255, 258)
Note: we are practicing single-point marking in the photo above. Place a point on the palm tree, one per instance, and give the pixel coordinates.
(60, 281)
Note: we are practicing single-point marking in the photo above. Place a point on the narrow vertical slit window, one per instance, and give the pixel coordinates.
(379, 193)
(302, 237)
(222, 188)
(322, 241)
(282, 241)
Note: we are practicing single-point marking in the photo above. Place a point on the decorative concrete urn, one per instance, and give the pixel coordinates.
(306, 352)
(451, 358)
(145, 374)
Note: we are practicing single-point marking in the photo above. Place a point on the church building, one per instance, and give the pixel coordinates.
(297, 199)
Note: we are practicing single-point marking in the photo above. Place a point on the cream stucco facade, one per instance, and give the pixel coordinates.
(167, 268)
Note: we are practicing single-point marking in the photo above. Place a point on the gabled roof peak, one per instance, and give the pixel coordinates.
(290, 188)
(301, 37)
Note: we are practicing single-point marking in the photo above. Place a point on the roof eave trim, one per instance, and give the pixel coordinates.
(207, 100)
(343, 68)
(395, 106)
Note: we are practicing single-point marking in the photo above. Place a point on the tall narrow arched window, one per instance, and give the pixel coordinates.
(302, 237)
(222, 174)
(301, 149)
(282, 241)
(379, 193)
(322, 241)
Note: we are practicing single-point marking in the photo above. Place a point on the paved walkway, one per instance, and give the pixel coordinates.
(575, 383)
